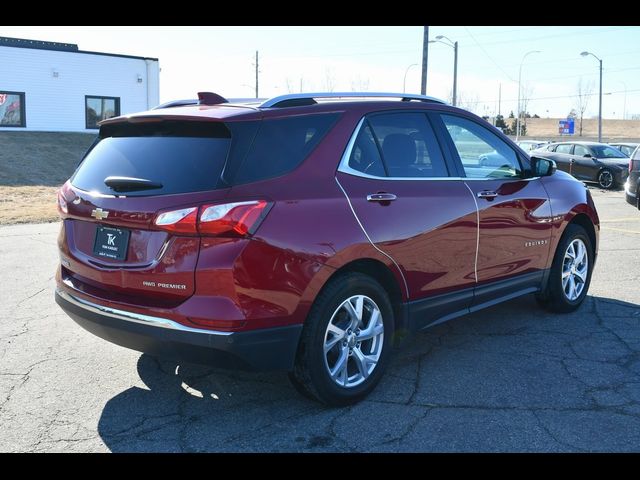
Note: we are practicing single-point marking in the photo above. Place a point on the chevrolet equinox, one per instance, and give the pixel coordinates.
(310, 233)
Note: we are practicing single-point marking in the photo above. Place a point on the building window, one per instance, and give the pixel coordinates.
(100, 108)
(12, 109)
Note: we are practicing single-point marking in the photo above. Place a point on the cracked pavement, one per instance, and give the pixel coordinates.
(510, 378)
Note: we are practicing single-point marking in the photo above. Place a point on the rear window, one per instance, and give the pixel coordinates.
(179, 157)
(199, 156)
(278, 147)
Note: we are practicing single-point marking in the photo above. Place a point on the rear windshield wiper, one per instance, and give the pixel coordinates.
(130, 184)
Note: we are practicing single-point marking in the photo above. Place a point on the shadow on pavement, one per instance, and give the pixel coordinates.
(510, 378)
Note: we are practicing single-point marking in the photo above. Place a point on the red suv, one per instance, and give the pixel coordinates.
(310, 232)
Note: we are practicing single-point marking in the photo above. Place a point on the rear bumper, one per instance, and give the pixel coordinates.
(264, 349)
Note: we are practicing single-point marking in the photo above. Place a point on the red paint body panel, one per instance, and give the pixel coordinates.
(515, 228)
(428, 235)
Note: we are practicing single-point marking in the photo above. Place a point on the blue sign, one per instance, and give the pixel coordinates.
(566, 127)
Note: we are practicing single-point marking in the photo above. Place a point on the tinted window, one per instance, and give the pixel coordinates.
(279, 146)
(365, 156)
(180, 163)
(564, 148)
(636, 154)
(605, 151)
(409, 146)
(580, 151)
(483, 154)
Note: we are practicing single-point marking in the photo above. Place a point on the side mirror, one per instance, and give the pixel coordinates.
(542, 167)
(587, 155)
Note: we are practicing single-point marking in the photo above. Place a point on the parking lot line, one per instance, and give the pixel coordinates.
(621, 230)
(627, 219)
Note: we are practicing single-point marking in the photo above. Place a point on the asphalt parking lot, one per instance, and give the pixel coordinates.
(511, 378)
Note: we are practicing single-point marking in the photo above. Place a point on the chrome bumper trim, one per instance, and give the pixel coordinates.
(134, 317)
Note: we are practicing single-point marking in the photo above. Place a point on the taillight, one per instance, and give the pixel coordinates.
(62, 204)
(634, 165)
(238, 218)
(179, 221)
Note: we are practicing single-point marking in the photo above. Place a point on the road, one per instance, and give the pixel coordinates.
(510, 378)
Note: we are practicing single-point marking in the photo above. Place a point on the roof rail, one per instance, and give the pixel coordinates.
(299, 99)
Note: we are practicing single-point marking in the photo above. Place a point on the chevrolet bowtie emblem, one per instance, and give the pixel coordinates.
(99, 213)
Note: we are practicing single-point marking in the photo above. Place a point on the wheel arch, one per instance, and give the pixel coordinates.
(585, 222)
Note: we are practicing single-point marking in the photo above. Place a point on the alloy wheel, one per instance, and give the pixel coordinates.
(575, 268)
(353, 341)
(605, 179)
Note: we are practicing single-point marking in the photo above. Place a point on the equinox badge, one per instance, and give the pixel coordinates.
(99, 213)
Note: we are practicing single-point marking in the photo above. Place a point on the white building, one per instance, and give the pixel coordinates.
(49, 86)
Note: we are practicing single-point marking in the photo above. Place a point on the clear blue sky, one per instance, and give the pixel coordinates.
(220, 59)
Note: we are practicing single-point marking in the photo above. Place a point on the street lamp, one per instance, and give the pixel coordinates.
(520, 90)
(454, 45)
(586, 54)
(404, 82)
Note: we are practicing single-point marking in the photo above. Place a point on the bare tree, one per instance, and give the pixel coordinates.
(329, 84)
(288, 85)
(360, 84)
(465, 100)
(583, 95)
(525, 97)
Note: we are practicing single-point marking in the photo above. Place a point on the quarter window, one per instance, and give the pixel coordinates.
(100, 108)
(279, 146)
(12, 109)
(483, 154)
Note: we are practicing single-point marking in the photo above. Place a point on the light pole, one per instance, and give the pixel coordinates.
(453, 45)
(520, 90)
(404, 82)
(586, 54)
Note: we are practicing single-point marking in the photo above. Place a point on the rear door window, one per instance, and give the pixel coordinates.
(408, 144)
(179, 158)
(564, 148)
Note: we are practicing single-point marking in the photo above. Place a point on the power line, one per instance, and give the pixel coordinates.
(488, 56)
(560, 96)
(584, 32)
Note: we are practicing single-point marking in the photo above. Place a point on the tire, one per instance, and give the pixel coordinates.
(557, 296)
(311, 375)
(606, 179)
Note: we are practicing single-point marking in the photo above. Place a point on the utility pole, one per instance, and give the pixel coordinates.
(425, 57)
(256, 73)
(499, 98)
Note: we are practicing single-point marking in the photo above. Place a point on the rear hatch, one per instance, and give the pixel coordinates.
(111, 244)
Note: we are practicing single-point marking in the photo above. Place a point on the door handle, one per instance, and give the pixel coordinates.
(488, 194)
(381, 197)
